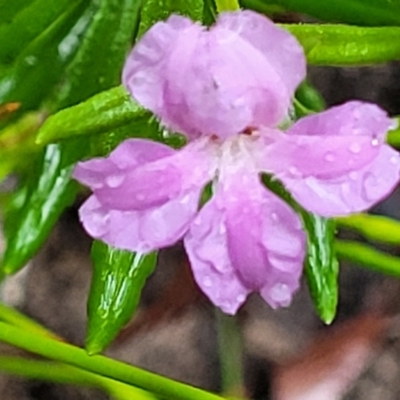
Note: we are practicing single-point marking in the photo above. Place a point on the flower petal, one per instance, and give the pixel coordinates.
(127, 156)
(282, 50)
(206, 246)
(265, 240)
(354, 118)
(353, 192)
(149, 179)
(328, 145)
(225, 82)
(246, 239)
(145, 71)
(140, 231)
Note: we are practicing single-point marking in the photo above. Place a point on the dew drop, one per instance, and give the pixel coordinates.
(355, 148)
(280, 293)
(207, 281)
(274, 217)
(394, 160)
(113, 181)
(370, 185)
(375, 142)
(329, 157)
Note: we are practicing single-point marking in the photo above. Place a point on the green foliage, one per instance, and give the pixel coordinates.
(117, 283)
(344, 45)
(357, 12)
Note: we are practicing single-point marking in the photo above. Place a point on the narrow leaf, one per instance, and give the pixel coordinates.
(45, 200)
(368, 257)
(39, 67)
(102, 113)
(117, 283)
(28, 24)
(373, 227)
(357, 12)
(342, 45)
(158, 10)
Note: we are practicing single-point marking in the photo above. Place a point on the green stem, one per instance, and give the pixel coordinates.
(14, 317)
(65, 374)
(368, 257)
(101, 365)
(227, 5)
(230, 355)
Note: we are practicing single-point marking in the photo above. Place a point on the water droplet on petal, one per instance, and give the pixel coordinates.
(274, 217)
(394, 160)
(207, 281)
(355, 147)
(375, 142)
(370, 185)
(222, 229)
(113, 181)
(329, 157)
(281, 294)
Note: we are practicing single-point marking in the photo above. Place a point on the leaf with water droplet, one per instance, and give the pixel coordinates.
(343, 45)
(118, 279)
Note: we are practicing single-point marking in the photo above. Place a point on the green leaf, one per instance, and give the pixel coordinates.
(98, 64)
(321, 266)
(373, 227)
(17, 143)
(28, 24)
(102, 113)
(159, 10)
(117, 283)
(368, 257)
(357, 12)
(9, 9)
(40, 65)
(45, 198)
(342, 45)
(309, 97)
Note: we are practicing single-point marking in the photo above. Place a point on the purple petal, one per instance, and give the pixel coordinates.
(301, 156)
(354, 118)
(206, 246)
(282, 50)
(153, 174)
(140, 231)
(265, 239)
(100, 172)
(225, 82)
(145, 72)
(246, 239)
(353, 192)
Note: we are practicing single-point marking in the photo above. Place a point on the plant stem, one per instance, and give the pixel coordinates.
(14, 317)
(227, 5)
(230, 355)
(65, 374)
(66, 353)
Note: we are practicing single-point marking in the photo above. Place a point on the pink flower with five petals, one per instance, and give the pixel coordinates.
(227, 89)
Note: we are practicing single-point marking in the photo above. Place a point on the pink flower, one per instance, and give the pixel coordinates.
(227, 89)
